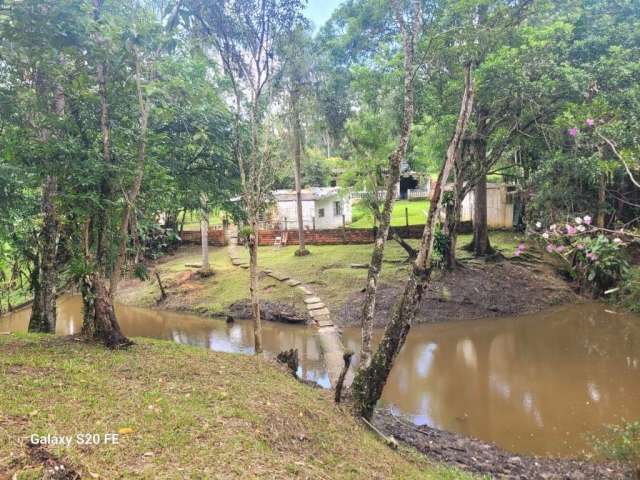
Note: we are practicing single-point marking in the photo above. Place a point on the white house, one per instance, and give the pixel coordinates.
(326, 205)
(500, 198)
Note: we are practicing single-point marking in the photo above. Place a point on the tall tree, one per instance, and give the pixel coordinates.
(370, 381)
(409, 32)
(244, 33)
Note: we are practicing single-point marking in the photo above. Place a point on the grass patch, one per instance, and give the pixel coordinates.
(192, 220)
(190, 413)
(362, 217)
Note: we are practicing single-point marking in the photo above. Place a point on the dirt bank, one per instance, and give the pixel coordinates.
(473, 291)
(485, 458)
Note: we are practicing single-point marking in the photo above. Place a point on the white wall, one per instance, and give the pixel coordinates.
(310, 209)
(499, 212)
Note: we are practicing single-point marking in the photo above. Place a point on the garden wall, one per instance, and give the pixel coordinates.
(216, 237)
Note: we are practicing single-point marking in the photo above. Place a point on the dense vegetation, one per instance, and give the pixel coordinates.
(122, 123)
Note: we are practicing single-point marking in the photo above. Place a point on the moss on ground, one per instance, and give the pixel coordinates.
(189, 413)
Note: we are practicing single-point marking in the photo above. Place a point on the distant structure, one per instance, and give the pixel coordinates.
(500, 205)
(322, 207)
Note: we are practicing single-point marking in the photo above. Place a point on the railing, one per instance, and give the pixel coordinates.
(413, 194)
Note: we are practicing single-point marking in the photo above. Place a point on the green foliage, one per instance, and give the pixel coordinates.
(620, 442)
(629, 294)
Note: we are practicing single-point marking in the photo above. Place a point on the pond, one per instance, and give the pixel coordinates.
(539, 383)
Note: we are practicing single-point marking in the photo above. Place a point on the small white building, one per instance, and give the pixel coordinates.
(499, 205)
(327, 205)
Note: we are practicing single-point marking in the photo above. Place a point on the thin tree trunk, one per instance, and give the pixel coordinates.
(602, 200)
(204, 232)
(369, 382)
(453, 207)
(297, 160)
(132, 195)
(253, 287)
(409, 38)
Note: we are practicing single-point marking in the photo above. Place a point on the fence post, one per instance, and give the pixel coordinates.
(406, 216)
(285, 224)
(313, 221)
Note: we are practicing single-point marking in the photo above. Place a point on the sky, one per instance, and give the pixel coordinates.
(319, 11)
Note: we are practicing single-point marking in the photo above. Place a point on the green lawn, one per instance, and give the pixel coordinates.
(181, 412)
(417, 210)
(192, 220)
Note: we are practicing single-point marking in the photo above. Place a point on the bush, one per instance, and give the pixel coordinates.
(629, 294)
(620, 442)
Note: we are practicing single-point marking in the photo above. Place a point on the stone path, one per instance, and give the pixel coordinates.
(328, 336)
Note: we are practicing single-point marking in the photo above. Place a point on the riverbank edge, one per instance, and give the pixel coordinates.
(485, 458)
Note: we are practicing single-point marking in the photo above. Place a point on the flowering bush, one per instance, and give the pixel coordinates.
(594, 255)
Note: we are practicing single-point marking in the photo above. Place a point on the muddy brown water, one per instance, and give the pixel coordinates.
(540, 383)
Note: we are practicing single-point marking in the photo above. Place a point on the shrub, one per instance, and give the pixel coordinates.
(620, 442)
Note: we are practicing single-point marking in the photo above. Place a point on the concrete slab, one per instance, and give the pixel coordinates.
(245, 266)
(312, 300)
(326, 322)
(293, 282)
(315, 306)
(305, 290)
(278, 276)
(319, 313)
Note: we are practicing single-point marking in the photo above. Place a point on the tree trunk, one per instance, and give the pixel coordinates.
(100, 321)
(481, 245)
(409, 38)
(204, 232)
(297, 160)
(453, 207)
(253, 274)
(602, 200)
(370, 381)
(43, 317)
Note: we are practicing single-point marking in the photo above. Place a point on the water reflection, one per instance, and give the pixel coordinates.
(534, 384)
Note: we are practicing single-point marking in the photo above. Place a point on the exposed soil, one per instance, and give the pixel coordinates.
(485, 458)
(474, 290)
(270, 311)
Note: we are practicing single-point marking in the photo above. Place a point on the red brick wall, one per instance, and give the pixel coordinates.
(215, 237)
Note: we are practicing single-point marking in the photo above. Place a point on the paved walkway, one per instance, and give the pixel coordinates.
(328, 336)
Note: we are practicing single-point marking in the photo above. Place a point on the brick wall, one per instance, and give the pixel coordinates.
(215, 237)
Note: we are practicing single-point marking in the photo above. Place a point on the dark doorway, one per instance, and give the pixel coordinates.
(407, 183)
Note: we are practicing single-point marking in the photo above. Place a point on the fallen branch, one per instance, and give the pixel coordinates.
(347, 363)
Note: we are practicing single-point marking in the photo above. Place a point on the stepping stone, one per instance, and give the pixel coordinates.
(293, 282)
(245, 266)
(305, 290)
(317, 314)
(236, 262)
(325, 322)
(315, 306)
(312, 300)
(359, 265)
(267, 271)
(278, 276)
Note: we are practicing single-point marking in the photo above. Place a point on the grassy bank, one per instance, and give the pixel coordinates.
(182, 412)
(327, 269)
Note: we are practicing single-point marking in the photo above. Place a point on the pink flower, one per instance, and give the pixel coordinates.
(590, 122)
(549, 248)
(560, 248)
(573, 131)
(522, 246)
(587, 219)
(592, 256)
(570, 230)
(517, 253)
(580, 246)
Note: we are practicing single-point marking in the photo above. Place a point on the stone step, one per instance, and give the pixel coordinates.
(316, 314)
(278, 276)
(245, 266)
(305, 290)
(315, 306)
(293, 282)
(312, 300)
(325, 322)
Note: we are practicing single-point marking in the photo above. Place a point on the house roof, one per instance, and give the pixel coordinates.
(308, 194)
